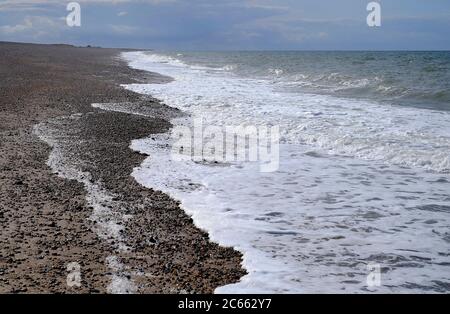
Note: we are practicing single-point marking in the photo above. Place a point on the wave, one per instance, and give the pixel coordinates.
(353, 183)
(363, 129)
(427, 86)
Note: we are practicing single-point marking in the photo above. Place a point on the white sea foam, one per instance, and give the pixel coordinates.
(405, 136)
(108, 223)
(359, 183)
(120, 284)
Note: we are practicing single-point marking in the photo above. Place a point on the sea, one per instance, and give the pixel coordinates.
(360, 200)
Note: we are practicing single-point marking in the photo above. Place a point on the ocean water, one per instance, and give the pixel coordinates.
(364, 175)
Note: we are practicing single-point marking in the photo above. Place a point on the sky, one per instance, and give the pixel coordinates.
(231, 24)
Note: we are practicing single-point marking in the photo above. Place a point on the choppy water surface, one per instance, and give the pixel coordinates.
(364, 173)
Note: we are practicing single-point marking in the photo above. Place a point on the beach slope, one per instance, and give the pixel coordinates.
(48, 222)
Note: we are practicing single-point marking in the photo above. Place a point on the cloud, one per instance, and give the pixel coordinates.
(124, 29)
(38, 2)
(32, 27)
(12, 29)
(229, 24)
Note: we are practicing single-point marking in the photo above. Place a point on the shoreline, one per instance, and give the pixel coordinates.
(159, 248)
(298, 233)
